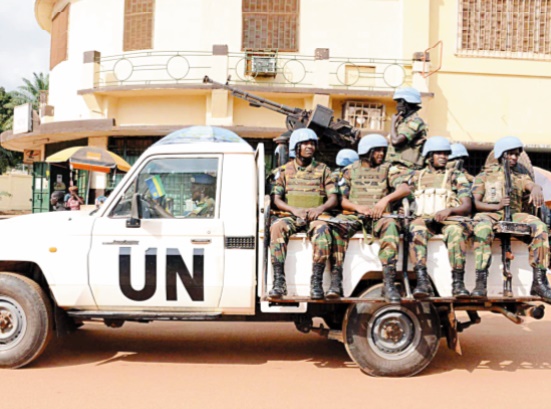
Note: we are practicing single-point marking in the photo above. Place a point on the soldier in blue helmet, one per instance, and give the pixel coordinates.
(305, 189)
(408, 131)
(490, 201)
(202, 193)
(439, 194)
(368, 188)
(457, 158)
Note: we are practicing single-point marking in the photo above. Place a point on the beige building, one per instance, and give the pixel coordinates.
(126, 72)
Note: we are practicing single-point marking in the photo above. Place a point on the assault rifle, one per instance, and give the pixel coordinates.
(320, 120)
(506, 253)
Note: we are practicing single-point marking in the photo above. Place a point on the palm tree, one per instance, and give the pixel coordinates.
(28, 93)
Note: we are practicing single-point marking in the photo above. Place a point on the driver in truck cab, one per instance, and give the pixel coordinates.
(303, 190)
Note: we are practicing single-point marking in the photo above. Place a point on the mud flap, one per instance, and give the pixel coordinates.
(452, 333)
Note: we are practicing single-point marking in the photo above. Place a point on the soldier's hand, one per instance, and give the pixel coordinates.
(300, 213)
(505, 201)
(395, 119)
(379, 208)
(442, 215)
(314, 213)
(536, 196)
(365, 210)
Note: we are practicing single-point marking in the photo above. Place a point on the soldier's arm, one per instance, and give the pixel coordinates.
(395, 137)
(401, 191)
(536, 193)
(282, 205)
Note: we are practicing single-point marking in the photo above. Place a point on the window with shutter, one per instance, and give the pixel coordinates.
(138, 24)
(270, 24)
(505, 28)
(59, 37)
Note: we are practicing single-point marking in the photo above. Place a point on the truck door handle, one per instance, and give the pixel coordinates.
(200, 241)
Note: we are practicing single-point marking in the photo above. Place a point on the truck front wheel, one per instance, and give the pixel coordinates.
(391, 340)
(25, 320)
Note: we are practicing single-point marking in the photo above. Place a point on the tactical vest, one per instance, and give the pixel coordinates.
(494, 189)
(434, 193)
(409, 153)
(305, 188)
(368, 185)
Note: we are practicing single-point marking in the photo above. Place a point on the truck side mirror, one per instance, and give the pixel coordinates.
(136, 212)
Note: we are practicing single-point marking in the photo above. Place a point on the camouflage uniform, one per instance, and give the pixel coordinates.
(490, 185)
(408, 155)
(453, 164)
(282, 228)
(386, 229)
(455, 233)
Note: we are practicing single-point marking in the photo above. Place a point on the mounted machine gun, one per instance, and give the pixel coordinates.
(334, 132)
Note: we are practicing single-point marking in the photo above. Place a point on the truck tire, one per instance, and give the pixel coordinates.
(391, 340)
(25, 320)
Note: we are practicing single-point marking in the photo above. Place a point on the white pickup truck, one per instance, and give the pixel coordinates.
(143, 257)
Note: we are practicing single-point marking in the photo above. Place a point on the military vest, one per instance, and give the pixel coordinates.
(494, 188)
(368, 185)
(305, 188)
(409, 153)
(433, 192)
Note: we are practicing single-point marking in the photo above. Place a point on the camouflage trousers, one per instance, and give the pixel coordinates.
(387, 230)
(456, 235)
(538, 243)
(283, 228)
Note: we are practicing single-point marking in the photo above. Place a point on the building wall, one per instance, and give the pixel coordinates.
(20, 189)
(481, 99)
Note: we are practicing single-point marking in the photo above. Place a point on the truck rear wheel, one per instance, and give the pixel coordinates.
(391, 340)
(25, 320)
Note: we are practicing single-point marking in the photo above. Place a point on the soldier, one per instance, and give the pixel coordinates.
(439, 194)
(407, 131)
(339, 245)
(305, 189)
(490, 200)
(457, 160)
(368, 187)
(202, 192)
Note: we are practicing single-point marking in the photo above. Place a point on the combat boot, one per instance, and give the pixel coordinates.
(316, 282)
(540, 286)
(279, 288)
(335, 290)
(390, 292)
(458, 284)
(423, 289)
(480, 290)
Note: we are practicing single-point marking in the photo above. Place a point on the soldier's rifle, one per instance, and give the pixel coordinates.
(320, 120)
(506, 253)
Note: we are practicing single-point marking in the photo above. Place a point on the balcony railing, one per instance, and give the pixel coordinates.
(255, 68)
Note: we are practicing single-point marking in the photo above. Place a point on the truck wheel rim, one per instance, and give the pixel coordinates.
(392, 332)
(13, 323)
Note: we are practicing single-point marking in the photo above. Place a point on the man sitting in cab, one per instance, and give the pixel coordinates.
(304, 189)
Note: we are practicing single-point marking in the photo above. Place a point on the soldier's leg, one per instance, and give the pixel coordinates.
(388, 232)
(340, 234)
(418, 252)
(456, 237)
(320, 236)
(539, 254)
(280, 231)
(483, 236)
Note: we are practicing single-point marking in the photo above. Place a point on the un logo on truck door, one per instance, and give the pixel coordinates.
(176, 268)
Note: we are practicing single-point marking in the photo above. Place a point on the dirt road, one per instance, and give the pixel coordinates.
(249, 365)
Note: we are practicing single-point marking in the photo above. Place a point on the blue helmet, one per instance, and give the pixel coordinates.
(346, 156)
(301, 135)
(505, 144)
(292, 154)
(371, 141)
(408, 94)
(436, 144)
(458, 151)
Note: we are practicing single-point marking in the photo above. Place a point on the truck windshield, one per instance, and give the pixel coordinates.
(175, 187)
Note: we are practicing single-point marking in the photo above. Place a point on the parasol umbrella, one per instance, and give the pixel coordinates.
(90, 158)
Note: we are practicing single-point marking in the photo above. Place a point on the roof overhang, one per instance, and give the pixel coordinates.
(43, 10)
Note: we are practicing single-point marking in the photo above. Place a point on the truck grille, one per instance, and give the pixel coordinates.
(240, 243)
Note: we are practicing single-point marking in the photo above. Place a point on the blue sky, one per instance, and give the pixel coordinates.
(24, 46)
